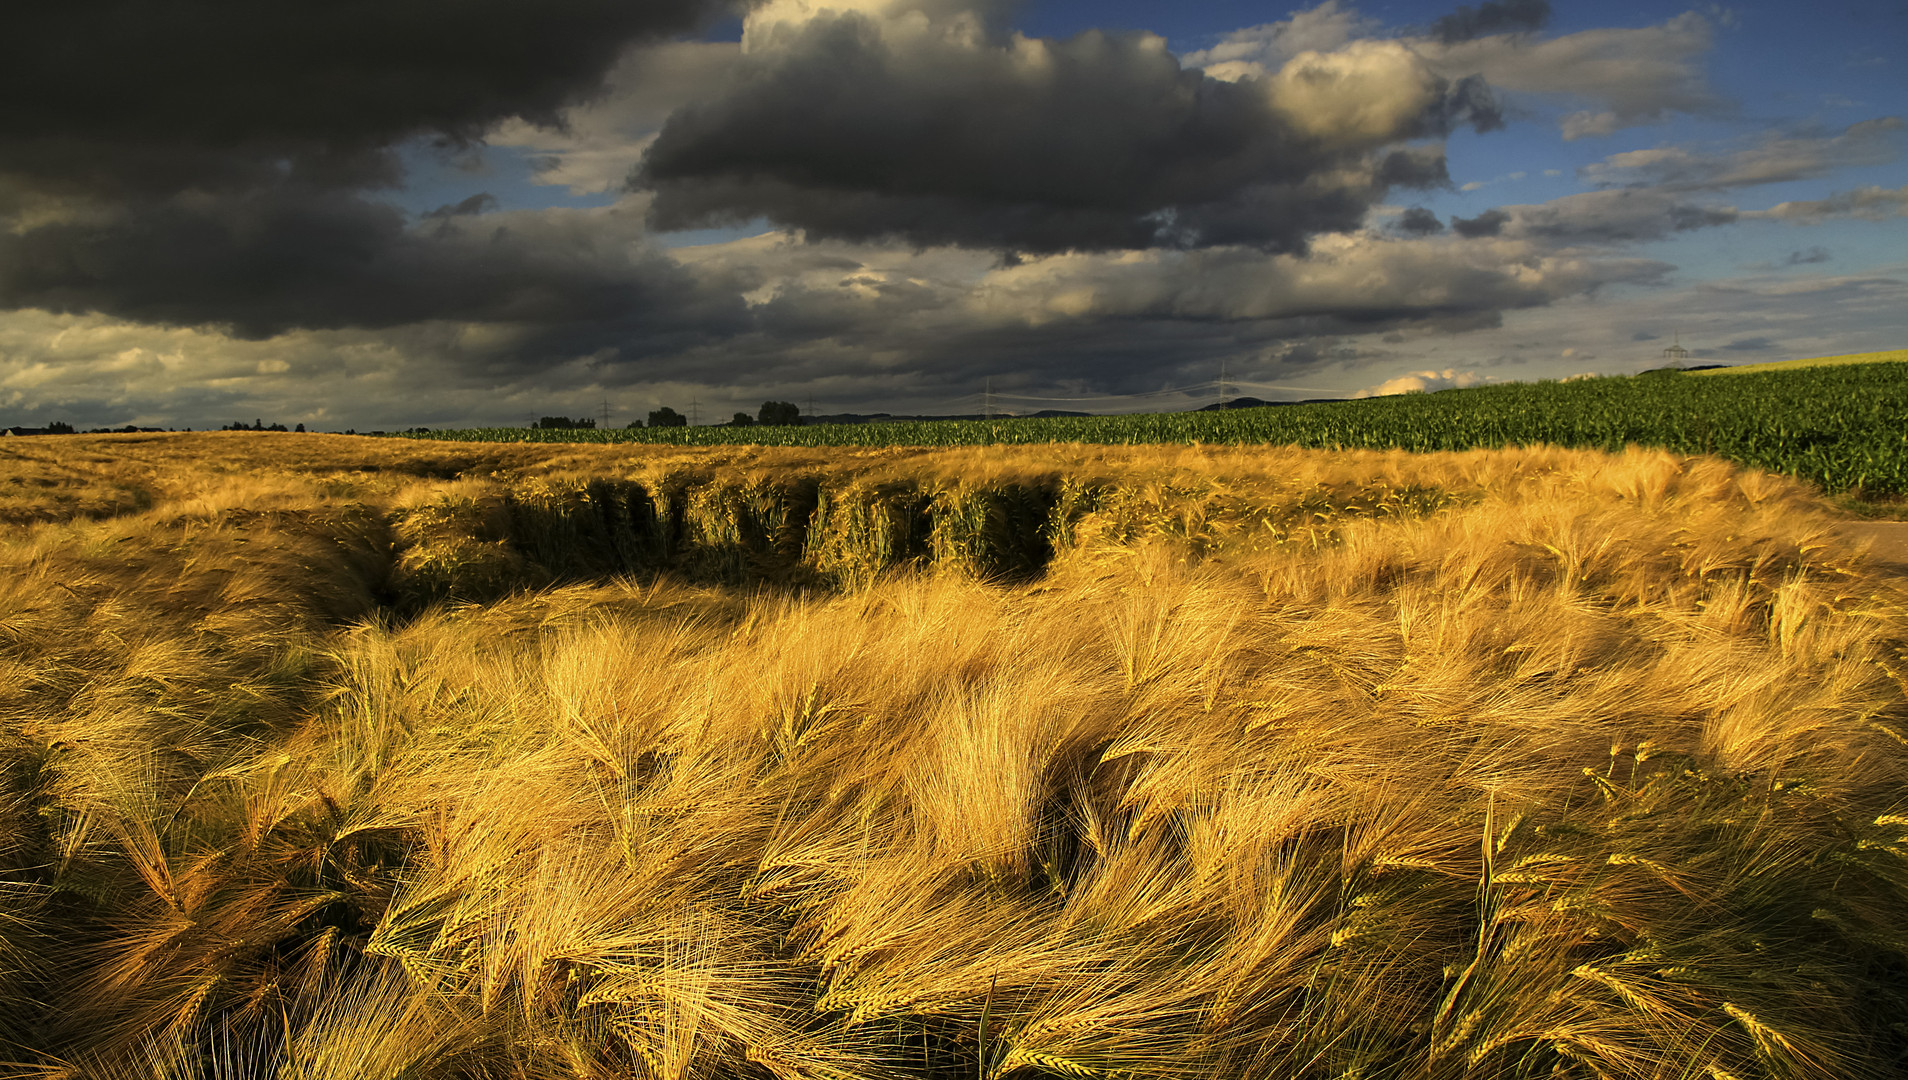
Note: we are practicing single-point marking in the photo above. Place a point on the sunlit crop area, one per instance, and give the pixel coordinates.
(340, 758)
(1888, 356)
(1843, 427)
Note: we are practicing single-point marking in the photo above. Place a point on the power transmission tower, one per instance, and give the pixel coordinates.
(605, 423)
(1222, 384)
(987, 399)
(695, 412)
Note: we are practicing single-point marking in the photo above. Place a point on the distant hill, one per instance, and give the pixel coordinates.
(1689, 369)
(1259, 403)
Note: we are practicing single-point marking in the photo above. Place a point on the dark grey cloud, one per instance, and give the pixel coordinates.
(1133, 355)
(1418, 221)
(260, 263)
(116, 96)
(1471, 101)
(1608, 217)
(859, 328)
(232, 216)
(897, 324)
(1684, 217)
(1491, 17)
(1098, 142)
(1488, 223)
(1807, 258)
(213, 162)
(1615, 216)
(479, 203)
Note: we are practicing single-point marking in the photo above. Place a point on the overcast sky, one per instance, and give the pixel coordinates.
(386, 213)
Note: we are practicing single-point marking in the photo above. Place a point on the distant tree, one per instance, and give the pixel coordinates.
(564, 423)
(633, 425)
(59, 427)
(667, 417)
(300, 428)
(742, 419)
(779, 412)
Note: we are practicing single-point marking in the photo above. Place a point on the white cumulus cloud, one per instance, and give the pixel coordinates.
(1258, 50)
(1424, 382)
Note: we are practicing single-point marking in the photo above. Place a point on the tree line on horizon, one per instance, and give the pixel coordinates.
(771, 414)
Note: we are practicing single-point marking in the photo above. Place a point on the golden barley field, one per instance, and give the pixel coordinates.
(332, 758)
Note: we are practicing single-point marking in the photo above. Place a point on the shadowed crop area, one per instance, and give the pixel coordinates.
(332, 758)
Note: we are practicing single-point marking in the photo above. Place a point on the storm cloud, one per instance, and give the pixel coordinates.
(197, 162)
(261, 263)
(116, 96)
(211, 209)
(865, 127)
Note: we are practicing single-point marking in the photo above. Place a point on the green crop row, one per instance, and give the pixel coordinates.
(1845, 428)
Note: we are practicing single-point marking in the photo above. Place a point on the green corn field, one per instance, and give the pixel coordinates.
(1844, 428)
